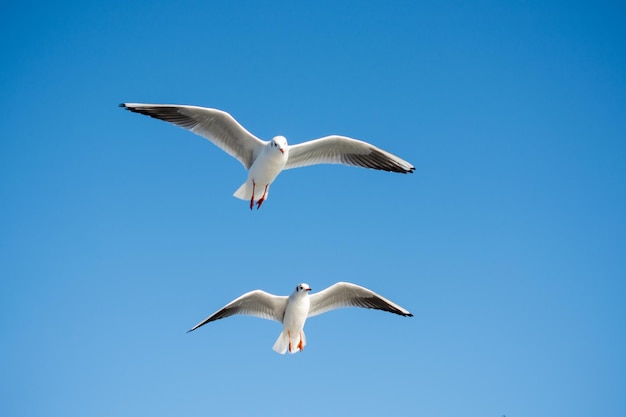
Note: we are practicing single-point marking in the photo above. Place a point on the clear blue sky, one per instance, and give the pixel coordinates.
(508, 244)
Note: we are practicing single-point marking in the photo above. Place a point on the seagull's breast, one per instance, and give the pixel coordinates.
(296, 313)
(268, 165)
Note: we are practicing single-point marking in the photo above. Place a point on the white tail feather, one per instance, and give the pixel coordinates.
(282, 344)
(245, 191)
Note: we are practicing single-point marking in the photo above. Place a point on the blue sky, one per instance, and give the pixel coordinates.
(119, 232)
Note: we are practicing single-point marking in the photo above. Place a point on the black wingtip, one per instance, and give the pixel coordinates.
(189, 331)
(122, 105)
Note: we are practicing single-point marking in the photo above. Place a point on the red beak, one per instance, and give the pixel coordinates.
(281, 150)
(308, 289)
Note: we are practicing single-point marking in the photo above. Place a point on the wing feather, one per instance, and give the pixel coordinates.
(345, 294)
(343, 150)
(255, 303)
(215, 125)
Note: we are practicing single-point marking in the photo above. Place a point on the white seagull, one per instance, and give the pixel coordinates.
(293, 311)
(266, 159)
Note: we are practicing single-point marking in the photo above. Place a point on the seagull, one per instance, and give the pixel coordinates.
(293, 311)
(264, 160)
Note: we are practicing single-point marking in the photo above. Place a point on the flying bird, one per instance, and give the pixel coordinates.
(264, 160)
(293, 311)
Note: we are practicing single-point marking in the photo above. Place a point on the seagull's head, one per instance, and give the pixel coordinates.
(280, 143)
(302, 288)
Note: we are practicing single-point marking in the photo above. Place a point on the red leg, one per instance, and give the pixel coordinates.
(258, 203)
(252, 198)
(289, 334)
(300, 344)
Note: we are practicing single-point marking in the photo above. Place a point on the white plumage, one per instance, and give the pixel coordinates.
(293, 311)
(266, 159)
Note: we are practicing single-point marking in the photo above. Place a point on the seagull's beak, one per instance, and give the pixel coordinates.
(308, 289)
(281, 150)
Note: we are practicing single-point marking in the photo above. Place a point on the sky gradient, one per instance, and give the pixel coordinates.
(119, 232)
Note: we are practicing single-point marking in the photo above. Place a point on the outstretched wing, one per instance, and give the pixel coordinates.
(255, 303)
(343, 150)
(345, 294)
(215, 125)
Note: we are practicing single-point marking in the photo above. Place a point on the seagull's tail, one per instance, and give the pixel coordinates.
(282, 343)
(292, 344)
(245, 191)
